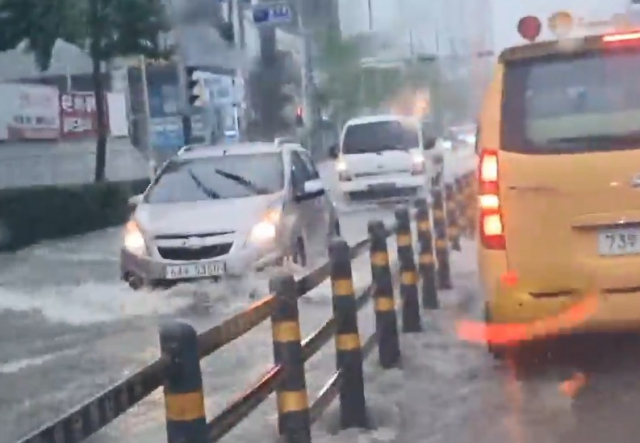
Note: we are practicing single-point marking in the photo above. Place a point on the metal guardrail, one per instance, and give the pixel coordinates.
(178, 370)
(59, 166)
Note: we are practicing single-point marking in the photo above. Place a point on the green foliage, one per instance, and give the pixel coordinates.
(120, 27)
(130, 27)
(61, 211)
(268, 97)
(348, 88)
(40, 23)
(449, 97)
(106, 28)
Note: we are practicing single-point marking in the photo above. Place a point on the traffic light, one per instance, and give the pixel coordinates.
(196, 91)
(299, 117)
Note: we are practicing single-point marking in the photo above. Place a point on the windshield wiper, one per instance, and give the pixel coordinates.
(244, 182)
(207, 191)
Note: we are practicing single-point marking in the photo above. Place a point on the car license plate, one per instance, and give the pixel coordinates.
(381, 186)
(195, 270)
(623, 241)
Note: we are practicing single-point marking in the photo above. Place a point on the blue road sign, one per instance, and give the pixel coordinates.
(272, 14)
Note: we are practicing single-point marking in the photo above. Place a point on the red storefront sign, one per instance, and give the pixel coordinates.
(78, 116)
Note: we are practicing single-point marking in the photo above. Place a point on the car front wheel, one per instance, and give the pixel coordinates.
(498, 352)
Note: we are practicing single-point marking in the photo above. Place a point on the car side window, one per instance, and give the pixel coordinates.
(311, 166)
(299, 172)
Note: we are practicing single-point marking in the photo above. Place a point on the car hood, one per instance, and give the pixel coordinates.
(205, 217)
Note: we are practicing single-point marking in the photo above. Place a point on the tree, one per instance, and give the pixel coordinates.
(348, 87)
(104, 28)
(269, 95)
(449, 96)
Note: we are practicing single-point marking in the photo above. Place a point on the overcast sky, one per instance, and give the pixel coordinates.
(426, 16)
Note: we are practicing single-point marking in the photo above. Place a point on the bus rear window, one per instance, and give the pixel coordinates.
(587, 102)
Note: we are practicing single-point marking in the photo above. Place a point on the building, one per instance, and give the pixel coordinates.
(439, 27)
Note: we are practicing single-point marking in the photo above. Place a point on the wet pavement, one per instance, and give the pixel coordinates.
(24, 164)
(582, 389)
(70, 328)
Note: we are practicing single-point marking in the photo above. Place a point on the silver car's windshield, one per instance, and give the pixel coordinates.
(223, 177)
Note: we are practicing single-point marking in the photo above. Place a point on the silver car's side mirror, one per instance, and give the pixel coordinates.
(313, 186)
(312, 189)
(135, 200)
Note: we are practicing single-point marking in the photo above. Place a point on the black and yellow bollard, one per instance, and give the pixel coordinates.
(426, 260)
(183, 396)
(353, 409)
(384, 302)
(294, 422)
(411, 318)
(461, 209)
(470, 201)
(441, 243)
(453, 226)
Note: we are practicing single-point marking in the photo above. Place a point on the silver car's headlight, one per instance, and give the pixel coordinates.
(134, 241)
(266, 229)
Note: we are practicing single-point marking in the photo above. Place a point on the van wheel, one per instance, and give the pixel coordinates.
(498, 352)
(299, 254)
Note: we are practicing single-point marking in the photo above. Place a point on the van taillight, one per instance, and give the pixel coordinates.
(490, 210)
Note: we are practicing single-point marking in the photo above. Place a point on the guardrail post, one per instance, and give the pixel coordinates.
(294, 422)
(470, 201)
(384, 302)
(453, 226)
(353, 409)
(442, 245)
(426, 260)
(411, 318)
(183, 395)
(461, 207)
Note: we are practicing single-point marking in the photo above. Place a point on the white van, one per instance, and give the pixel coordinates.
(385, 157)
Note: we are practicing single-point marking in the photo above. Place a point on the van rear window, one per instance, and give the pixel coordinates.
(572, 104)
(364, 138)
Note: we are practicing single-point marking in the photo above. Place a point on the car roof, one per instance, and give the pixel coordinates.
(208, 151)
(380, 118)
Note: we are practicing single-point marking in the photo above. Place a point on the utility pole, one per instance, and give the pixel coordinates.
(185, 110)
(146, 109)
(311, 111)
(181, 71)
(241, 42)
(241, 46)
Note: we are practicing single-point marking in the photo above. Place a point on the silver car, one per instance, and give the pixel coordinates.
(216, 212)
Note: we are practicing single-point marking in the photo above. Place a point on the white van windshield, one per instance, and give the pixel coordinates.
(380, 136)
